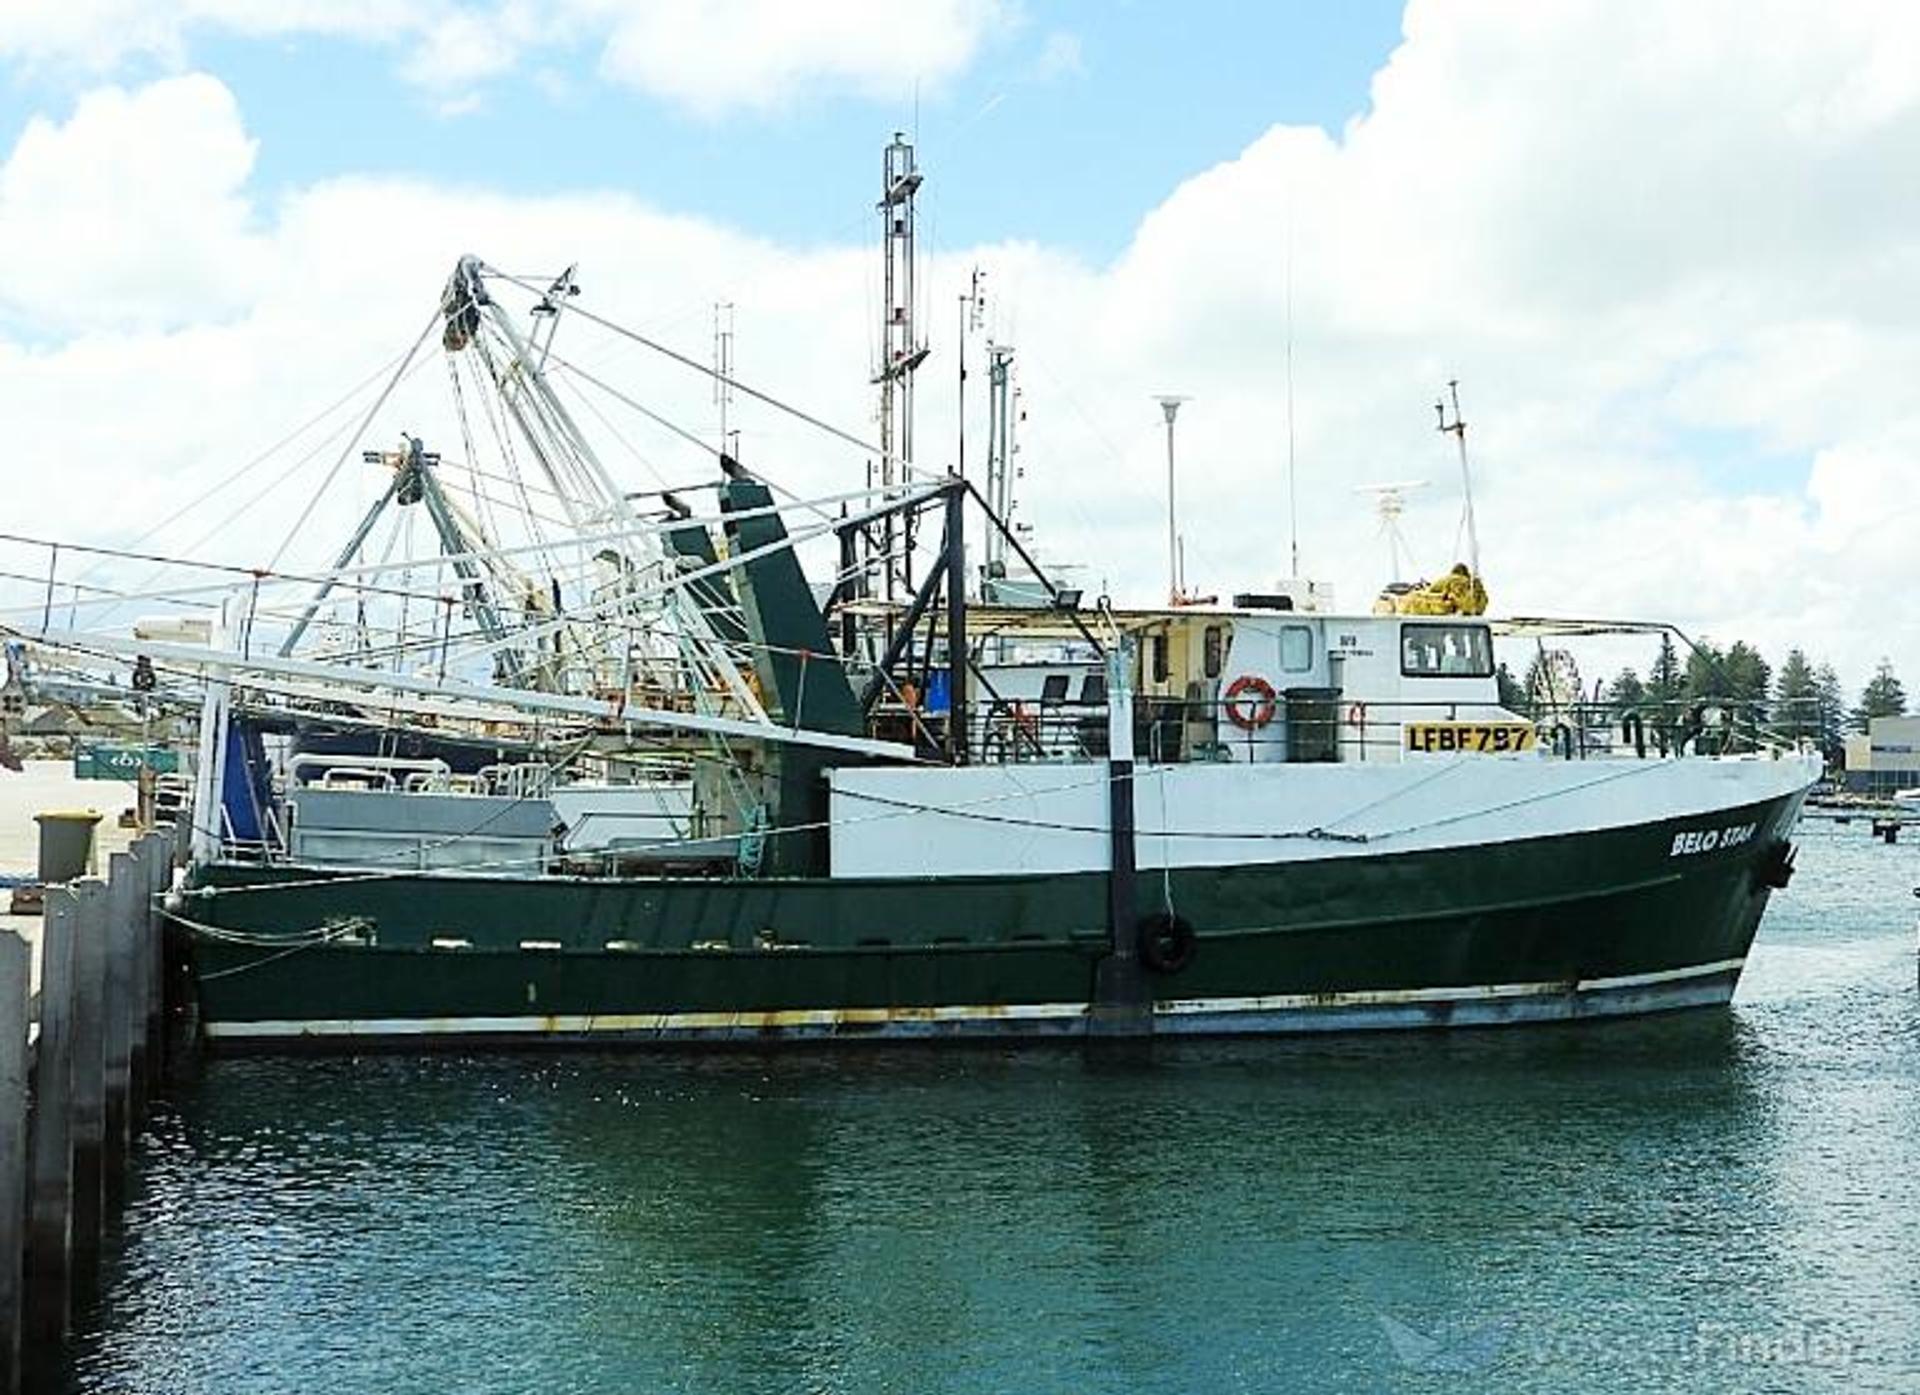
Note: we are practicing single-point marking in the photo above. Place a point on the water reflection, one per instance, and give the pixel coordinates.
(1612, 1207)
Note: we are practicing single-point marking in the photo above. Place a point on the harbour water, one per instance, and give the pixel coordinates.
(1712, 1201)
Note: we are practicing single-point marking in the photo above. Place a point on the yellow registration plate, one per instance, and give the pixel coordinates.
(1473, 738)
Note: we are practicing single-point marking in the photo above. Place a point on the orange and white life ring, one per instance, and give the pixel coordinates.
(1250, 702)
(1357, 714)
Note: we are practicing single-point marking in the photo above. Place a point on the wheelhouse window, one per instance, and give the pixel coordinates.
(1446, 651)
(1157, 657)
(1296, 649)
(1210, 650)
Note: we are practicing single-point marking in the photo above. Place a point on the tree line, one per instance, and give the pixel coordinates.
(1800, 700)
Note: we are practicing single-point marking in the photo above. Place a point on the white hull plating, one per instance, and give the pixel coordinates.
(995, 820)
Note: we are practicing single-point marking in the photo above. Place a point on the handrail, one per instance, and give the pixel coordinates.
(1321, 727)
(389, 765)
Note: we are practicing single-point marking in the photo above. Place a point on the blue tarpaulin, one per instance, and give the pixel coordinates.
(248, 791)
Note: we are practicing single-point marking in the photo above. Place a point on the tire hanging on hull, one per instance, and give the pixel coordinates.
(1167, 943)
(1775, 868)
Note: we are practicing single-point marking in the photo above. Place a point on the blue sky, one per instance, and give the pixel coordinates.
(1066, 130)
(1683, 373)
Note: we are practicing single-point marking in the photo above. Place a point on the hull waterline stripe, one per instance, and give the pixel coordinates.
(668, 1023)
(1382, 997)
(1722, 966)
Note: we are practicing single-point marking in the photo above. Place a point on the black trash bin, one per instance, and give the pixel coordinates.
(1313, 724)
(66, 844)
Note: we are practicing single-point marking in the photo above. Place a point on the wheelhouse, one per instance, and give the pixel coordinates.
(1259, 686)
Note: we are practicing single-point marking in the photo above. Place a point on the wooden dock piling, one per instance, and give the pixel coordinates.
(144, 853)
(124, 908)
(49, 1272)
(71, 1096)
(16, 962)
(165, 853)
(89, 1080)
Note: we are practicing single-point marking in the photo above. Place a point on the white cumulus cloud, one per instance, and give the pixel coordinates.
(726, 53)
(1669, 251)
(131, 213)
(708, 56)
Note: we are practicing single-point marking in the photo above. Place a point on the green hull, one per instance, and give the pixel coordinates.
(1607, 922)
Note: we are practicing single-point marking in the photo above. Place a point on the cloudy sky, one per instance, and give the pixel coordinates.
(1671, 252)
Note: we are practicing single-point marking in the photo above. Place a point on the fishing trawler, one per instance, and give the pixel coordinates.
(631, 778)
(1359, 836)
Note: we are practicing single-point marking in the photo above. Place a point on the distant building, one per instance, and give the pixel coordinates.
(1887, 758)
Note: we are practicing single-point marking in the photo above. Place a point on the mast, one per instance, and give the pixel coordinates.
(723, 373)
(1457, 428)
(973, 304)
(1000, 449)
(901, 351)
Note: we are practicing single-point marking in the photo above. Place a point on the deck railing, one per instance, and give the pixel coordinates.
(1320, 725)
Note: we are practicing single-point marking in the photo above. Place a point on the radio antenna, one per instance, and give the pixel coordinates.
(1389, 502)
(1293, 498)
(1176, 586)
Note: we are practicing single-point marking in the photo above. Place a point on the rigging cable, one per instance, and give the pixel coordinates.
(727, 379)
(406, 363)
(236, 476)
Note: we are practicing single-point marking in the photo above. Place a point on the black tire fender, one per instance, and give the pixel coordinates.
(1167, 942)
(1775, 868)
